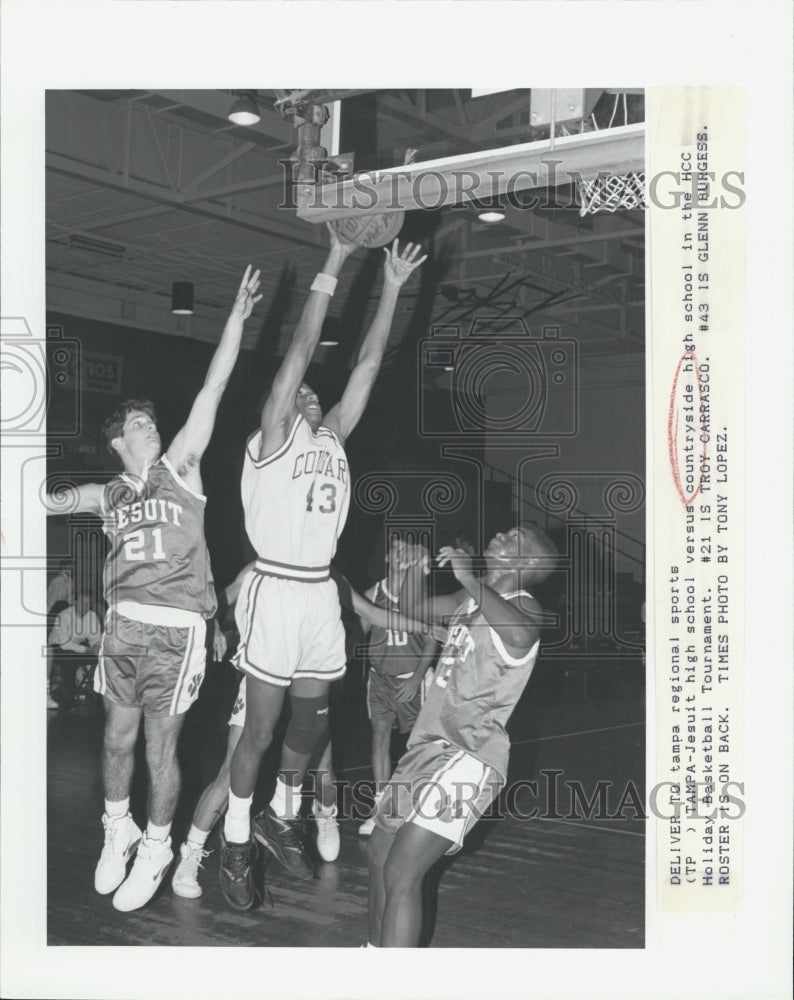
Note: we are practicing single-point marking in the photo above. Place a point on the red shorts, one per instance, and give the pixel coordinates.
(439, 787)
(382, 704)
(154, 667)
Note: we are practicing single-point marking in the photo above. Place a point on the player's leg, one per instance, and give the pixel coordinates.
(378, 848)
(168, 680)
(381, 712)
(162, 734)
(325, 807)
(215, 797)
(413, 853)
(238, 849)
(275, 827)
(209, 809)
(381, 749)
(324, 778)
(118, 759)
(154, 854)
(381, 728)
(263, 707)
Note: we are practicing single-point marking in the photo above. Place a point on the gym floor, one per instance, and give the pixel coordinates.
(561, 878)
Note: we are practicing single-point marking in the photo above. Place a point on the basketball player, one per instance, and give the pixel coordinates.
(215, 797)
(296, 490)
(158, 586)
(457, 753)
(399, 663)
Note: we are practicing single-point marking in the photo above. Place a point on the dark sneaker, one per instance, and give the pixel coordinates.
(280, 837)
(237, 881)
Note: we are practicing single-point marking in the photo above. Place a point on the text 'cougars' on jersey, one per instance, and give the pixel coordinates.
(319, 462)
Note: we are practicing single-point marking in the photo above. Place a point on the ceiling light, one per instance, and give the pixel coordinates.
(244, 112)
(329, 343)
(182, 298)
(491, 215)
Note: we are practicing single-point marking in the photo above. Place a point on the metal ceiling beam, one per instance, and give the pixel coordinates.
(241, 187)
(191, 185)
(261, 224)
(216, 103)
(407, 112)
(481, 127)
(574, 241)
(482, 174)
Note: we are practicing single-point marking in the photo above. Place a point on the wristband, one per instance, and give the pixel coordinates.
(324, 283)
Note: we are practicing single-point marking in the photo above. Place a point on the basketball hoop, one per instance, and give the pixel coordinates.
(609, 192)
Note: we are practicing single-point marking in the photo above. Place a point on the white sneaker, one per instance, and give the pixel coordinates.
(367, 827)
(185, 880)
(152, 861)
(121, 838)
(327, 832)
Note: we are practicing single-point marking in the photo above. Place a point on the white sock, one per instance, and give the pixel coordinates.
(154, 832)
(286, 801)
(321, 810)
(197, 837)
(117, 809)
(237, 825)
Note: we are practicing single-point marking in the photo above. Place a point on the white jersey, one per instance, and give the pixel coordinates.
(295, 501)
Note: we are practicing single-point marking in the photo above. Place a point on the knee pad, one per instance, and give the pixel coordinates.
(308, 724)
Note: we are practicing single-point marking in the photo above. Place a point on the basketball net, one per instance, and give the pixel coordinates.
(609, 192)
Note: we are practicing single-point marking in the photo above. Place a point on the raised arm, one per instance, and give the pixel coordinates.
(517, 629)
(85, 499)
(279, 410)
(370, 614)
(414, 598)
(191, 442)
(398, 267)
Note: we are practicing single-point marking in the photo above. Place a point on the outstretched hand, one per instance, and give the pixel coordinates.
(458, 560)
(412, 555)
(246, 294)
(399, 266)
(343, 250)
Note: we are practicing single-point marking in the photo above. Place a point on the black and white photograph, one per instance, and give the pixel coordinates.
(378, 464)
(390, 408)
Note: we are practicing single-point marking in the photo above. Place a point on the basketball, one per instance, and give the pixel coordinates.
(370, 230)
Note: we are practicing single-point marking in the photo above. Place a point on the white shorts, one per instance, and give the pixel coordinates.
(289, 629)
(440, 788)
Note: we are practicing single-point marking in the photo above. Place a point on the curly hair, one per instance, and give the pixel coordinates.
(114, 425)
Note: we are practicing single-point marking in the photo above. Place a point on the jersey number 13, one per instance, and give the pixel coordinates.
(327, 503)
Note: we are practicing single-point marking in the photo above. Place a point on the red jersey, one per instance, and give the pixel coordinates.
(158, 554)
(475, 689)
(391, 651)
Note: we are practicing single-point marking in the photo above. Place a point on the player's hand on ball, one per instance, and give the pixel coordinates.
(339, 248)
(398, 266)
(246, 294)
(458, 560)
